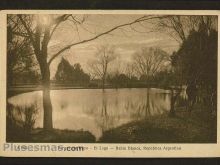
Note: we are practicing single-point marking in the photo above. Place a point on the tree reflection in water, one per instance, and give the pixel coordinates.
(96, 111)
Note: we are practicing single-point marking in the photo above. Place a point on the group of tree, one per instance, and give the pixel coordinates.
(196, 63)
(99, 66)
(122, 80)
(195, 33)
(128, 77)
(39, 30)
(144, 66)
(71, 74)
(21, 63)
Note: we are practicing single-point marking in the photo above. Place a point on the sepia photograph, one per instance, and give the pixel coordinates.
(111, 78)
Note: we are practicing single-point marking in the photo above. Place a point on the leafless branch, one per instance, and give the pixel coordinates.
(144, 18)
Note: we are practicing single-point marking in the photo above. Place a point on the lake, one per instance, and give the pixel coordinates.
(95, 110)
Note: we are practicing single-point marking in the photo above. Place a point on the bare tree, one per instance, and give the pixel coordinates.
(148, 61)
(130, 70)
(99, 66)
(179, 27)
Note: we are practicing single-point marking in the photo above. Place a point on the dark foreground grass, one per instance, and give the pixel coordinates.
(62, 136)
(55, 136)
(199, 126)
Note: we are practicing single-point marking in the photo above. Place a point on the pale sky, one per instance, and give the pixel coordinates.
(126, 40)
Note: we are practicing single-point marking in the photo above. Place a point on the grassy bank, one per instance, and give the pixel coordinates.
(197, 127)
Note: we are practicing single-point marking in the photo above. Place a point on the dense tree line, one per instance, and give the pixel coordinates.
(68, 74)
(195, 65)
(21, 64)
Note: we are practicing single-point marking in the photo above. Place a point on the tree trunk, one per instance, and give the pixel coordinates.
(147, 110)
(47, 106)
(103, 83)
(173, 101)
(45, 69)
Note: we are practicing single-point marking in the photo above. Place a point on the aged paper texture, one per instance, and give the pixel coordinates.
(109, 83)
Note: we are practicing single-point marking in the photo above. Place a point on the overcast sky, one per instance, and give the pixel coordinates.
(126, 40)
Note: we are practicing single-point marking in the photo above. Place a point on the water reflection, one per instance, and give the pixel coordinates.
(95, 110)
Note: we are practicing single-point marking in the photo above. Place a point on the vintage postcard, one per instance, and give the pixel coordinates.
(109, 83)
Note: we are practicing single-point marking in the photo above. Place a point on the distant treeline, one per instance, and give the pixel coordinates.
(74, 75)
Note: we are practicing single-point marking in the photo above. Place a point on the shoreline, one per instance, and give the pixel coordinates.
(12, 91)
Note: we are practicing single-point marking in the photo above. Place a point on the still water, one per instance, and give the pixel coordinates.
(95, 110)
